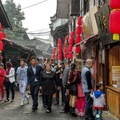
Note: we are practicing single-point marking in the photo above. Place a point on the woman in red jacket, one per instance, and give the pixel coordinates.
(2, 76)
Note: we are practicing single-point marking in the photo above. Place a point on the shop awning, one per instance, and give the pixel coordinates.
(91, 38)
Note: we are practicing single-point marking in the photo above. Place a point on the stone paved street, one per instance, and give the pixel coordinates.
(13, 111)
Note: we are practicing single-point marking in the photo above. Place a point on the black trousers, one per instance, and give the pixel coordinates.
(49, 101)
(58, 93)
(44, 100)
(10, 86)
(88, 106)
(34, 89)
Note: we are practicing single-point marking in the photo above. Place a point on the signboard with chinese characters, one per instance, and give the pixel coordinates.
(115, 73)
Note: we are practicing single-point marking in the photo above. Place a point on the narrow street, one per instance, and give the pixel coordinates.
(13, 111)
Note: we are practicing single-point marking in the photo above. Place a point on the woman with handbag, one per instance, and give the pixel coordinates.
(81, 96)
(72, 86)
(2, 77)
(10, 81)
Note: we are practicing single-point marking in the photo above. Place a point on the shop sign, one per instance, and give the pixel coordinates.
(115, 73)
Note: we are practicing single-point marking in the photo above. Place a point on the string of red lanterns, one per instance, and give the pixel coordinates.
(114, 19)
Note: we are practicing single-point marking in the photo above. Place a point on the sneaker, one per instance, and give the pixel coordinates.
(22, 104)
(12, 101)
(48, 111)
(82, 114)
(7, 100)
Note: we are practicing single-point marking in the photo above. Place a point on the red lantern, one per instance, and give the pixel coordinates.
(71, 41)
(1, 36)
(78, 49)
(72, 34)
(78, 30)
(59, 46)
(53, 56)
(67, 37)
(0, 27)
(54, 49)
(70, 48)
(79, 21)
(59, 57)
(65, 50)
(78, 39)
(65, 55)
(71, 55)
(59, 41)
(65, 44)
(114, 22)
(115, 4)
(1, 46)
(60, 52)
(4, 35)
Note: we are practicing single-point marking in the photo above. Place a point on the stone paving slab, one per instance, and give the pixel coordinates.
(13, 111)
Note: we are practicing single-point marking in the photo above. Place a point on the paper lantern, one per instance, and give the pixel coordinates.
(67, 37)
(114, 22)
(65, 50)
(71, 41)
(65, 55)
(78, 30)
(59, 57)
(70, 47)
(0, 27)
(1, 46)
(53, 56)
(78, 49)
(59, 41)
(65, 44)
(78, 39)
(115, 4)
(70, 55)
(60, 52)
(59, 46)
(54, 49)
(79, 21)
(72, 34)
(1, 36)
(4, 35)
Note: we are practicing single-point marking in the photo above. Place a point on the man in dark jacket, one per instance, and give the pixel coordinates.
(87, 85)
(33, 74)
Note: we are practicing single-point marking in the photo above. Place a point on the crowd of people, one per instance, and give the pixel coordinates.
(75, 86)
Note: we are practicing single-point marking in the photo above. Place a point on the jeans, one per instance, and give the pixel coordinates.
(9, 86)
(88, 106)
(22, 88)
(98, 114)
(34, 89)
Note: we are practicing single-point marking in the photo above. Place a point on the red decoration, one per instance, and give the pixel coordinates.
(60, 52)
(72, 34)
(1, 46)
(79, 21)
(54, 49)
(114, 22)
(59, 46)
(78, 49)
(78, 39)
(70, 48)
(78, 30)
(4, 35)
(71, 55)
(53, 56)
(65, 50)
(67, 37)
(65, 55)
(0, 27)
(1, 36)
(115, 4)
(59, 41)
(59, 57)
(71, 41)
(65, 44)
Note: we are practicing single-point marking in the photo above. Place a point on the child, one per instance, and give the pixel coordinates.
(81, 96)
(98, 101)
(2, 77)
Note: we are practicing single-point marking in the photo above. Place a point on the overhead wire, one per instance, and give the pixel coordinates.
(34, 4)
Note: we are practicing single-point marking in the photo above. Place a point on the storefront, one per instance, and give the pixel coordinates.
(110, 61)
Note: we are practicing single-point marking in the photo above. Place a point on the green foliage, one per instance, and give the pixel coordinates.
(15, 16)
